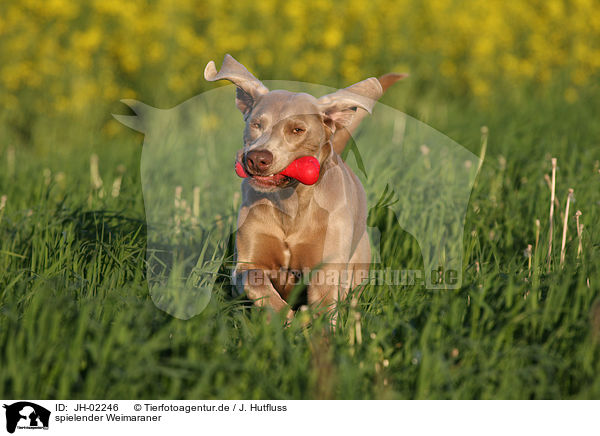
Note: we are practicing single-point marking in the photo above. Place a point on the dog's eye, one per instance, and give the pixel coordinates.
(298, 130)
(255, 125)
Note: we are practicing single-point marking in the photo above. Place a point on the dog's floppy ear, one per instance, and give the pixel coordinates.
(249, 88)
(340, 106)
(342, 136)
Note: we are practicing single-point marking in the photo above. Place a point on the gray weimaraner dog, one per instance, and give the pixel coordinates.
(286, 228)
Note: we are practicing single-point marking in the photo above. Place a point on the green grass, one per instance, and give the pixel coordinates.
(77, 321)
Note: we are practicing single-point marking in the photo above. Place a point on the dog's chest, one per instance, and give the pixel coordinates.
(304, 236)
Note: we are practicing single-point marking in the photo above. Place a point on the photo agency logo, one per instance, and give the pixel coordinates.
(25, 415)
(341, 171)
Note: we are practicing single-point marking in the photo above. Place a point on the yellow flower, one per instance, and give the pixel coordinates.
(332, 37)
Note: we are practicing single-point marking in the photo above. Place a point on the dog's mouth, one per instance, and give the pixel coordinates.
(273, 180)
(305, 169)
(269, 181)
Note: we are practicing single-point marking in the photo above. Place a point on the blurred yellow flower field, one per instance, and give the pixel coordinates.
(63, 56)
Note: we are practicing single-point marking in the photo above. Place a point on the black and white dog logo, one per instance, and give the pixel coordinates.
(26, 415)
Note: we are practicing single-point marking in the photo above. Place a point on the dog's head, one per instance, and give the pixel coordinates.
(282, 126)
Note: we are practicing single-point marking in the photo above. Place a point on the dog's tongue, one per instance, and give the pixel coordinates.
(305, 170)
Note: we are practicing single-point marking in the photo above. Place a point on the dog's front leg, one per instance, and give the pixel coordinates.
(258, 287)
(329, 284)
(331, 280)
(260, 253)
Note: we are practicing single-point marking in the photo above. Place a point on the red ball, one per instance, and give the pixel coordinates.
(239, 170)
(305, 169)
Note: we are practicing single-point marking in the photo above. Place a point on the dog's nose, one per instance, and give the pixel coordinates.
(259, 160)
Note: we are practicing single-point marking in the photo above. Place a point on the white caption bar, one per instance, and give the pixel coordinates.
(74, 417)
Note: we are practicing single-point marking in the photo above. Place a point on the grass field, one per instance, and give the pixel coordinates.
(77, 319)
